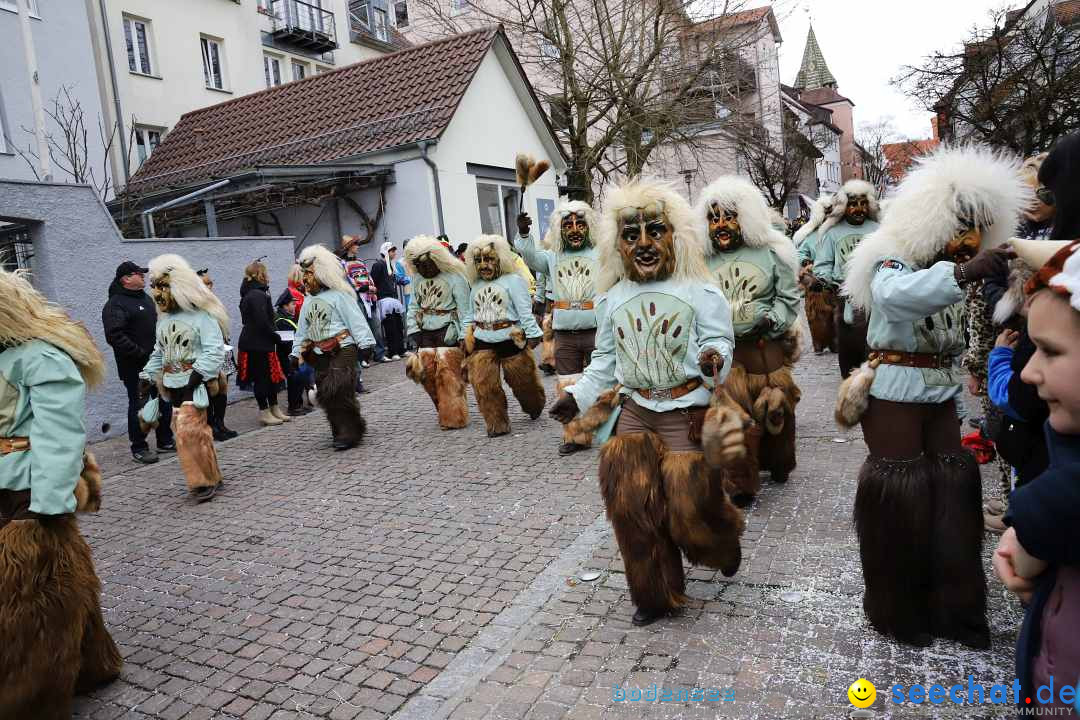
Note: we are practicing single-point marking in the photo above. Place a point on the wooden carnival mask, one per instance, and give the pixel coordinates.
(575, 230)
(161, 290)
(486, 261)
(307, 273)
(646, 243)
(965, 243)
(426, 266)
(724, 229)
(858, 207)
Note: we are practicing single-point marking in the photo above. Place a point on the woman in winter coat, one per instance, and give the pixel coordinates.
(259, 367)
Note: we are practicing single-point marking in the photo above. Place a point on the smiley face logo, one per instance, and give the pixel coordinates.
(862, 693)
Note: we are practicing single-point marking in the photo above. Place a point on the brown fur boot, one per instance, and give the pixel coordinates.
(421, 367)
(701, 518)
(819, 315)
(520, 374)
(195, 447)
(547, 347)
(450, 398)
(487, 387)
(54, 638)
(630, 483)
(742, 479)
(580, 430)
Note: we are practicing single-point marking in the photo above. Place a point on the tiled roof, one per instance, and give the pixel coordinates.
(1067, 12)
(821, 96)
(377, 104)
(736, 19)
(814, 72)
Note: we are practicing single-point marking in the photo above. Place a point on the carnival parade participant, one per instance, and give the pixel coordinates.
(918, 512)
(436, 320)
(186, 365)
(854, 215)
(664, 337)
(500, 334)
(820, 298)
(53, 639)
(568, 257)
(755, 265)
(329, 335)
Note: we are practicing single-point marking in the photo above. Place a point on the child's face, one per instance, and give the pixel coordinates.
(1055, 329)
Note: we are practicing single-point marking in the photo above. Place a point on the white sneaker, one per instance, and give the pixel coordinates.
(365, 363)
(395, 357)
(385, 359)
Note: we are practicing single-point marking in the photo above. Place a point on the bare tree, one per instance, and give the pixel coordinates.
(1014, 84)
(620, 78)
(778, 173)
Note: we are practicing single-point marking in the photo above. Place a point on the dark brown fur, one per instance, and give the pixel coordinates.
(195, 447)
(547, 345)
(770, 400)
(421, 367)
(335, 380)
(701, 518)
(54, 638)
(521, 375)
(487, 388)
(581, 429)
(88, 486)
(851, 350)
(819, 314)
(450, 398)
(634, 498)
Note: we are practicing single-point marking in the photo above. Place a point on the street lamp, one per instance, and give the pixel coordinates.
(688, 176)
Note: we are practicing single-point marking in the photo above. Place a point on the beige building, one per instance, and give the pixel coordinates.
(158, 59)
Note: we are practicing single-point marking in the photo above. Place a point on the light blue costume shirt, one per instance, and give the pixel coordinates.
(571, 274)
(439, 302)
(326, 315)
(504, 299)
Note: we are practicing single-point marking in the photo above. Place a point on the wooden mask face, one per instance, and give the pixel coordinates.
(161, 290)
(312, 286)
(426, 266)
(965, 243)
(486, 261)
(724, 229)
(646, 243)
(858, 207)
(575, 230)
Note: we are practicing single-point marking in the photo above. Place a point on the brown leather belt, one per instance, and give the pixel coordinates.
(670, 393)
(10, 445)
(567, 305)
(435, 311)
(929, 361)
(179, 368)
(497, 325)
(331, 344)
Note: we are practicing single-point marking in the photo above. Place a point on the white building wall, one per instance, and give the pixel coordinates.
(176, 84)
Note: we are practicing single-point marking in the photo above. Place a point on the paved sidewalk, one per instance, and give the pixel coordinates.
(432, 574)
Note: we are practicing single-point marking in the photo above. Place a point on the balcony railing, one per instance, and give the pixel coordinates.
(304, 25)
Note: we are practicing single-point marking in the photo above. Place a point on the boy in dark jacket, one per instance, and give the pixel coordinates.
(130, 319)
(297, 381)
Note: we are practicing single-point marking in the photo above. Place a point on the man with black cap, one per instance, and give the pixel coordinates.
(130, 319)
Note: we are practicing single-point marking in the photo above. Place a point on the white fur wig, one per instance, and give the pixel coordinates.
(969, 181)
(507, 259)
(553, 236)
(26, 314)
(444, 259)
(840, 200)
(737, 194)
(690, 242)
(328, 268)
(187, 289)
(821, 207)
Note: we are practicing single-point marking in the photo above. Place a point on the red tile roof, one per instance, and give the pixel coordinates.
(735, 19)
(377, 104)
(1067, 12)
(821, 96)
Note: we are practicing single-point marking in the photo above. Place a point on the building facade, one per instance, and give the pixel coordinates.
(158, 60)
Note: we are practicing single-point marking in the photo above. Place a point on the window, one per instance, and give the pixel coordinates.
(401, 13)
(213, 63)
(31, 5)
(560, 112)
(16, 246)
(378, 17)
(498, 208)
(299, 70)
(272, 70)
(459, 6)
(137, 38)
(361, 13)
(146, 141)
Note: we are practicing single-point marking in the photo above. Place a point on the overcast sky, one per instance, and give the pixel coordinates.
(866, 43)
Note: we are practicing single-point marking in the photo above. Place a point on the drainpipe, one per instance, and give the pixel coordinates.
(44, 161)
(423, 145)
(116, 94)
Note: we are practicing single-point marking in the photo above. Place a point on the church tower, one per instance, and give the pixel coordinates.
(816, 85)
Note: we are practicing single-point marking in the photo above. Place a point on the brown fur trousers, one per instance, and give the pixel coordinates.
(820, 305)
(660, 503)
(547, 346)
(440, 372)
(195, 447)
(53, 640)
(519, 371)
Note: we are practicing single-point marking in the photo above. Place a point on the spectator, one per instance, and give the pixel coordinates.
(360, 279)
(215, 413)
(296, 286)
(297, 381)
(130, 322)
(383, 272)
(403, 279)
(259, 368)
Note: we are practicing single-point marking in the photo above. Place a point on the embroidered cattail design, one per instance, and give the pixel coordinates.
(845, 246)
(489, 305)
(652, 341)
(431, 294)
(177, 343)
(318, 320)
(574, 279)
(742, 283)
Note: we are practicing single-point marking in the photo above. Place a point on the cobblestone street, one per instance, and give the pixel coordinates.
(432, 574)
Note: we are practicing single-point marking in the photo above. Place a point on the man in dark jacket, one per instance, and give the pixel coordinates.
(130, 320)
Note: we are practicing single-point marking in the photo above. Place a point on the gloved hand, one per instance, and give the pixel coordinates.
(711, 362)
(144, 388)
(533, 342)
(194, 380)
(991, 262)
(524, 223)
(764, 325)
(294, 363)
(565, 409)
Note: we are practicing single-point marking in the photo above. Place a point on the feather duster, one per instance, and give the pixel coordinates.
(528, 170)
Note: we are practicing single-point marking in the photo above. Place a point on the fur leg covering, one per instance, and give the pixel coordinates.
(450, 389)
(851, 350)
(195, 447)
(524, 380)
(580, 430)
(958, 591)
(421, 367)
(742, 478)
(54, 638)
(547, 346)
(335, 380)
(854, 395)
(893, 520)
(561, 383)
(88, 486)
(819, 315)
(487, 387)
(630, 483)
(776, 452)
(702, 520)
